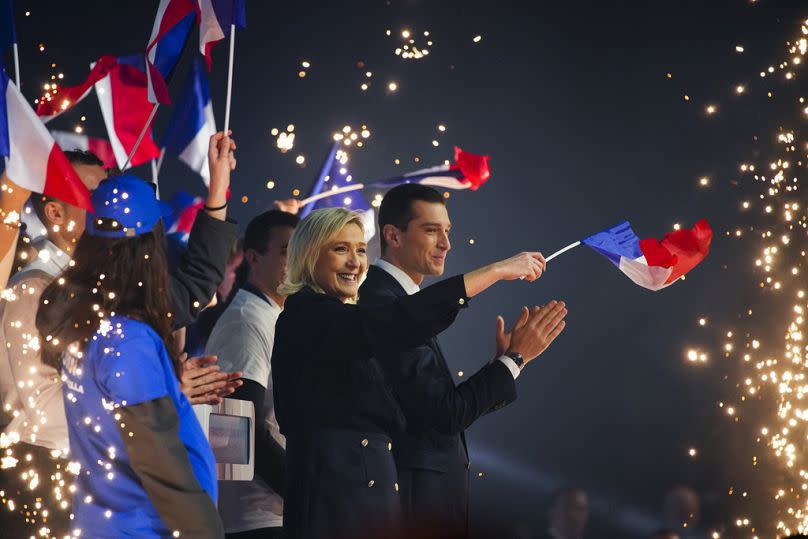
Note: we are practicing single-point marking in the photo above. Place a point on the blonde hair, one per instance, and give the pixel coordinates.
(307, 241)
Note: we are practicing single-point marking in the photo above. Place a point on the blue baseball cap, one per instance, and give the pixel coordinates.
(125, 206)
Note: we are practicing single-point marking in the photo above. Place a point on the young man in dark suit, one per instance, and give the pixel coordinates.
(431, 454)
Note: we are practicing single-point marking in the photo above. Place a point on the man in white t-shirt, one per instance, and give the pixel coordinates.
(242, 339)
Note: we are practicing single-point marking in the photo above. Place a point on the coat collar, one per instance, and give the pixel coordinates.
(405, 281)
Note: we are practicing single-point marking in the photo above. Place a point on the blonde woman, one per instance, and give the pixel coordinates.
(330, 399)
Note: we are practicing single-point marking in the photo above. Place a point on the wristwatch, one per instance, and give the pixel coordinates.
(517, 358)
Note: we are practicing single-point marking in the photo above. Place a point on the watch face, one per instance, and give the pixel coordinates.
(517, 358)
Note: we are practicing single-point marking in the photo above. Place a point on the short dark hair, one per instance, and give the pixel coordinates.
(396, 207)
(83, 157)
(75, 157)
(259, 230)
(256, 237)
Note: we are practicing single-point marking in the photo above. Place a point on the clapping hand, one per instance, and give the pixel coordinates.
(202, 382)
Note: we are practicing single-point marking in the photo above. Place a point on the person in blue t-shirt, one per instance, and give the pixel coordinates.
(143, 466)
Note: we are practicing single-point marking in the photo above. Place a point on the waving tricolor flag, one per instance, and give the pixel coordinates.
(215, 20)
(184, 208)
(469, 171)
(169, 34)
(121, 86)
(52, 105)
(650, 263)
(125, 107)
(192, 124)
(35, 161)
(99, 147)
(335, 177)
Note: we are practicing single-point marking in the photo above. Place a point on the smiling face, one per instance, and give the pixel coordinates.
(422, 247)
(342, 263)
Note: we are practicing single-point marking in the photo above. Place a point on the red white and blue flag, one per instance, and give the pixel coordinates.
(121, 87)
(469, 171)
(184, 208)
(51, 105)
(192, 124)
(125, 107)
(651, 263)
(99, 147)
(334, 175)
(172, 24)
(215, 20)
(35, 162)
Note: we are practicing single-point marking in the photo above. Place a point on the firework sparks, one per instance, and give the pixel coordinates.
(412, 46)
(772, 372)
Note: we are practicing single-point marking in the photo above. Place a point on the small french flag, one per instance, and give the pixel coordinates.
(170, 31)
(35, 161)
(123, 98)
(651, 263)
(469, 171)
(192, 124)
(215, 19)
(52, 105)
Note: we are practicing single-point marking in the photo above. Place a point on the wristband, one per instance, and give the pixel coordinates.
(208, 208)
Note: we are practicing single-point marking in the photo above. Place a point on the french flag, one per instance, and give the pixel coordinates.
(125, 106)
(184, 208)
(334, 175)
(215, 20)
(51, 105)
(169, 33)
(651, 263)
(192, 124)
(469, 171)
(35, 161)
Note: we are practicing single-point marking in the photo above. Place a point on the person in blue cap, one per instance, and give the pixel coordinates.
(143, 465)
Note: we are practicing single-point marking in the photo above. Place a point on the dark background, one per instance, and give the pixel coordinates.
(584, 129)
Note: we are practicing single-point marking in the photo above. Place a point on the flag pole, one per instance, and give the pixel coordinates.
(562, 251)
(154, 173)
(17, 64)
(229, 79)
(160, 161)
(331, 193)
(140, 138)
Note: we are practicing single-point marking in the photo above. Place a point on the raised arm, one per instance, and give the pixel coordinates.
(12, 199)
(525, 265)
(212, 236)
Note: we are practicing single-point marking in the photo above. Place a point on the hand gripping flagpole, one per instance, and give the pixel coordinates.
(562, 251)
(229, 79)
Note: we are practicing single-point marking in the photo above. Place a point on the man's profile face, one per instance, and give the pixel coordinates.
(425, 242)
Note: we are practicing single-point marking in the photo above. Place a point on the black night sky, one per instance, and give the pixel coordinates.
(584, 128)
